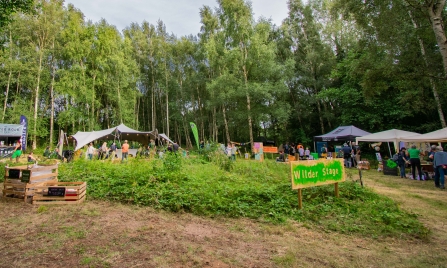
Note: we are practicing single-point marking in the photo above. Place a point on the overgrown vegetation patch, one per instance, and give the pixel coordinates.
(250, 189)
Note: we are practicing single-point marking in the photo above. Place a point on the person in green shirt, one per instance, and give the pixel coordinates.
(415, 162)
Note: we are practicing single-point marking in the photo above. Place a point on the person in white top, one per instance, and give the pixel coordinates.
(90, 151)
(307, 153)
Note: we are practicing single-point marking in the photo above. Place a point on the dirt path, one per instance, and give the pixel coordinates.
(102, 234)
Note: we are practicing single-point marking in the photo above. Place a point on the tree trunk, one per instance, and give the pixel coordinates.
(167, 100)
(250, 121)
(186, 130)
(435, 12)
(9, 76)
(244, 51)
(432, 82)
(328, 121)
(214, 120)
(52, 106)
(6, 95)
(17, 92)
(36, 101)
(119, 102)
(227, 132)
(321, 118)
(93, 103)
(52, 96)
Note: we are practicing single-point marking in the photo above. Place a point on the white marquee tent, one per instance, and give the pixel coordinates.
(120, 132)
(392, 135)
(435, 136)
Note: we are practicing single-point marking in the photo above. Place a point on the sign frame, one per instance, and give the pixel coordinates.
(312, 172)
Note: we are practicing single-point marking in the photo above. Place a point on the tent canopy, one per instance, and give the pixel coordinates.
(392, 135)
(121, 132)
(435, 136)
(342, 133)
(165, 137)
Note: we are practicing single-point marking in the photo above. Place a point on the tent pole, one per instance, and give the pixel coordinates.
(315, 147)
(389, 148)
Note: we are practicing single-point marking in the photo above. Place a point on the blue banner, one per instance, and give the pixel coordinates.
(24, 123)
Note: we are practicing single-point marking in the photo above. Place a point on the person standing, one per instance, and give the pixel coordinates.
(324, 151)
(124, 151)
(415, 162)
(347, 155)
(402, 161)
(112, 151)
(228, 150)
(103, 151)
(233, 151)
(307, 153)
(301, 152)
(440, 162)
(431, 158)
(175, 147)
(90, 151)
(356, 154)
(17, 151)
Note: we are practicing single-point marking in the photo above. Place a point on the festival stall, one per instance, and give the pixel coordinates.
(9, 134)
(341, 133)
(392, 135)
(120, 132)
(435, 136)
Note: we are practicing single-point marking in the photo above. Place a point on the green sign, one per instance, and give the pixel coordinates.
(26, 175)
(314, 173)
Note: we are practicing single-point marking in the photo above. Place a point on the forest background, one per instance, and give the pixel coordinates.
(373, 64)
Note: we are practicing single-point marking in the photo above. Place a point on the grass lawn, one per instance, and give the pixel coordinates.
(209, 213)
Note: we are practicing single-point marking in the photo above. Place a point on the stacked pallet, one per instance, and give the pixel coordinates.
(60, 193)
(20, 181)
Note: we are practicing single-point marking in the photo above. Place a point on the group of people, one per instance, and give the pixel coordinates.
(231, 151)
(297, 151)
(437, 156)
(351, 155)
(104, 152)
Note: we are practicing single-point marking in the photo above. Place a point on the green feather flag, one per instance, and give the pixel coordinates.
(195, 132)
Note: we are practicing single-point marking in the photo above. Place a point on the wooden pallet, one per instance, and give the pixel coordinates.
(60, 193)
(20, 181)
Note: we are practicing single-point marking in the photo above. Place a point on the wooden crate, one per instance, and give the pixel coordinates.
(60, 193)
(20, 180)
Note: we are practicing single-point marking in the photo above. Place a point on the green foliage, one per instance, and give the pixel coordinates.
(255, 190)
(8, 7)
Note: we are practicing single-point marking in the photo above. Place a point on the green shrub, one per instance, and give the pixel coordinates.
(251, 189)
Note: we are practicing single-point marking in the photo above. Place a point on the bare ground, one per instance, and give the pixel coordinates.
(103, 234)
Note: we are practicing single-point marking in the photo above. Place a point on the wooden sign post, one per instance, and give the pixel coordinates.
(315, 173)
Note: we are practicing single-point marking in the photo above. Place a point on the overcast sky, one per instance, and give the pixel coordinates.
(181, 17)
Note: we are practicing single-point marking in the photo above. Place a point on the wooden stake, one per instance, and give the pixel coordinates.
(300, 199)
(336, 189)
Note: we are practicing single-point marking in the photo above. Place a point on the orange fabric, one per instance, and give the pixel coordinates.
(125, 148)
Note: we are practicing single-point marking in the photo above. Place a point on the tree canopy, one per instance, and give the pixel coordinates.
(375, 64)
